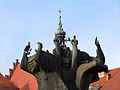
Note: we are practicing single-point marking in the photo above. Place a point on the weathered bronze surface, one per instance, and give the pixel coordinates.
(64, 69)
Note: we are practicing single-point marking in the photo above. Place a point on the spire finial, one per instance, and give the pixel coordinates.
(59, 12)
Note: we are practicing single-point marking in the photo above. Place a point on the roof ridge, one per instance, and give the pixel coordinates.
(114, 69)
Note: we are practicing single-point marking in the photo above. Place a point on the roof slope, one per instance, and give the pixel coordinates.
(109, 84)
(5, 83)
(23, 79)
(113, 83)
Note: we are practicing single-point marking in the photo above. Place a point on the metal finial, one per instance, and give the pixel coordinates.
(59, 11)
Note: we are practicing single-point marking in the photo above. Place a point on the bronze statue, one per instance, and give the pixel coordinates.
(64, 69)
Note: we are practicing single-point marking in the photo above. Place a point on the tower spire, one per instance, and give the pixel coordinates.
(60, 34)
(60, 31)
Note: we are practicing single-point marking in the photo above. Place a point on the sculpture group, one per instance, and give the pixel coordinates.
(64, 69)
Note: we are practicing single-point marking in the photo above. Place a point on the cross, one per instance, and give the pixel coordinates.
(59, 11)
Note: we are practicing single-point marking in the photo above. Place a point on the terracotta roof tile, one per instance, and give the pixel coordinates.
(5, 82)
(23, 79)
(105, 84)
(113, 83)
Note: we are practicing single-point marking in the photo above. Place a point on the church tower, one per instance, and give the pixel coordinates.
(60, 34)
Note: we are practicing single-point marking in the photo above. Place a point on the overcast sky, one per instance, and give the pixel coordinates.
(37, 20)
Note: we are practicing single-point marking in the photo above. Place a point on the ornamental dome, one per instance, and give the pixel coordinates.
(60, 31)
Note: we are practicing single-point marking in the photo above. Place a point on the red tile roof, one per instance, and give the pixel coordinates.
(109, 84)
(114, 82)
(6, 83)
(24, 80)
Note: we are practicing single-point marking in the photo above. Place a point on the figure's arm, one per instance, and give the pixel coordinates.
(100, 54)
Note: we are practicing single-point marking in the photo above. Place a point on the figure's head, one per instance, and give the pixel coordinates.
(40, 45)
(28, 43)
(74, 37)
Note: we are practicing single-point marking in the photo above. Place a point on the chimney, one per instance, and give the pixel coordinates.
(17, 62)
(14, 66)
(101, 74)
(108, 76)
(7, 76)
(10, 72)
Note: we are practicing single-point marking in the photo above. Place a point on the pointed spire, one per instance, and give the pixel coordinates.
(60, 31)
(60, 24)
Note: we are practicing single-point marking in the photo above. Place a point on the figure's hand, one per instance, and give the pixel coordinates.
(97, 42)
(30, 49)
